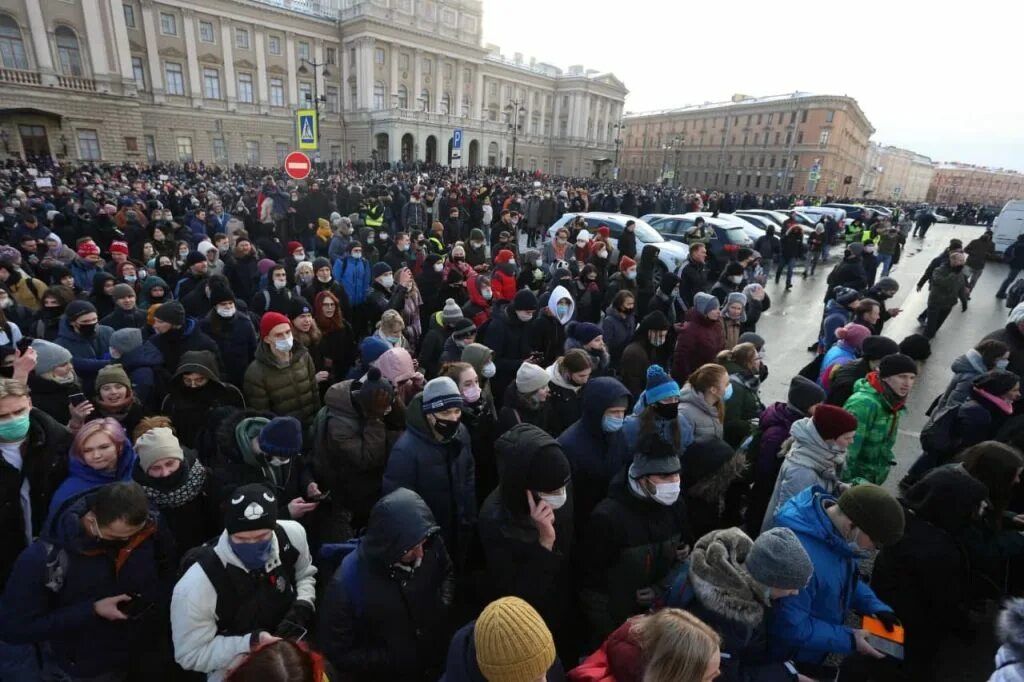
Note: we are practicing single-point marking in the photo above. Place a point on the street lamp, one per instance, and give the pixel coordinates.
(514, 110)
(317, 97)
(618, 127)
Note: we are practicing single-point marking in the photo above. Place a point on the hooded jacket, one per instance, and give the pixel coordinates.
(145, 295)
(547, 333)
(564, 401)
(236, 340)
(836, 315)
(617, 332)
(775, 424)
(354, 276)
(174, 343)
(439, 472)
(810, 461)
(744, 406)
(641, 354)
(398, 631)
(620, 659)
(810, 625)
(478, 309)
(82, 477)
(870, 457)
(189, 408)
(702, 416)
(1014, 340)
(966, 368)
(287, 388)
(698, 341)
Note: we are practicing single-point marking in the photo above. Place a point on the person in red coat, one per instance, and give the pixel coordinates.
(699, 339)
(503, 282)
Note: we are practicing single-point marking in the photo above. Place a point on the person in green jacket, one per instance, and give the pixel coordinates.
(744, 406)
(947, 285)
(282, 378)
(877, 402)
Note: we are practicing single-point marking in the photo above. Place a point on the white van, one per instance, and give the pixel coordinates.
(1008, 225)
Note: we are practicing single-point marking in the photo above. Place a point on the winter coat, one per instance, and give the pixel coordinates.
(629, 543)
(236, 341)
(835, 357)
(836, 315)
(625, 443)
(775, 424)
(810, 625)
(516, 409)
(810, 461)
(508, 337)
(693, 279)
(197, 644)
(82, 478)
(82, 643)
(590, 450)
(617, 332)
(380, 299)
(45, 467)
(461, 665)
(478, 309)
(189, 408)
(187, 501)
(978, 252)
(172, 345)
(947, 287)
(870, 457)
(743, 407)
(125, 319)
(979, 418)
(698, 341)
(350, 456)
(243, 274)
(284, 388)
(843, 378)
(564, 402)
(703, 417)
(517, 564)
(966, 368)
(395, 630)
(620, 659)
(434, 342)
(87, 354)
(1014, 340)
(143, 366)
(439, 472)
(354, 276)
(848, 273)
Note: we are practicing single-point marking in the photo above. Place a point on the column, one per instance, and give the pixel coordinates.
(555, 129)
(543, 97)
(228, 45)
(584, 114)
(366, 71)
(195, 82)
(346, 74)
(393, 85)
(95, 39)
(318, 57)
(460, 89)
(262, 86)
(571, 115)
(293, 84)
(478, 97)
(438, 83)
(156, 72)
(417, 81)
(40, 43)
(124, 55)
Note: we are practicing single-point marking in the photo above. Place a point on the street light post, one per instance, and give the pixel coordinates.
(514, 109)
(618, 143)
(316, 94)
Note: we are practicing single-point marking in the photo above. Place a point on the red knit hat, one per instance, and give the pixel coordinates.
(119, 247)
(269, 321)
(88, 249)
(293, 247)
(504, 256)
(625, 263)
(832, 422)
(604, 231)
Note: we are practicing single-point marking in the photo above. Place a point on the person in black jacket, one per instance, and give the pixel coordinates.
(693, 275)
(233, 332)
(243, 269)
(627, 240)
(872, 349)
(942, 259)
(1014, 257)
(277, 297)
(526, 528)
(176, 335)
(507, 334)
(385, 613)
(792, 251)
(195, 389)
(848, 273)
(385, 293)
(568, 375)
(323, 280)
(125, 315)
(526, 399)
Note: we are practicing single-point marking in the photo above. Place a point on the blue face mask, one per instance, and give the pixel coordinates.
(611, 424)
(562, 310)
(253, 555)
(728, 392)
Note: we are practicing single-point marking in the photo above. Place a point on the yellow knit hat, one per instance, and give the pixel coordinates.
(512, 642)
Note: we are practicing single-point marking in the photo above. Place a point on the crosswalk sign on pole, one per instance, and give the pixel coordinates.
(306, 129)
(457, 148)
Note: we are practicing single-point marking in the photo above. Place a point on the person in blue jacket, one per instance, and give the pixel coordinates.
(113, 553)
(87, 340)
(354, 274)
(100, 453)
(809, 626)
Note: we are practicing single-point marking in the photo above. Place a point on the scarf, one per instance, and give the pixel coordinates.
(177, 496)
(118, 410)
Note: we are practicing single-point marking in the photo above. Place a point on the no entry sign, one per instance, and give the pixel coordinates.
(297, 165)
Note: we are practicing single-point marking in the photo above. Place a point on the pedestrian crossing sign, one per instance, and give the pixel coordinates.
(306, 129)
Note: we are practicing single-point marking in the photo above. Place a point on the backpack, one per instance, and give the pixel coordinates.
(344, 556)
(1015, 294)
(937, 436)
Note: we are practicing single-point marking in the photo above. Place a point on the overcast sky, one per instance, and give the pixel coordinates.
(944, 82)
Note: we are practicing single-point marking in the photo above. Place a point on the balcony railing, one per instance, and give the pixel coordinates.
(19, 77)
(77, 83)
(328, 9)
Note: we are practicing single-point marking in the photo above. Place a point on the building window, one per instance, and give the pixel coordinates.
(778, 136)
(823, 139)
(403, 61)
(771, 117)
(425, 99)
(174, 79)
(245, 88)
(446, 103)
(448, 71)
(12, 49)
(378, 55)
(220, 150)
(332, 99)
(830, 116)
(150, 148)
(492, 89)
(211, 83)
(803, 116)
(464, 111)
(508, 92)
(274, 45)
(331, 55)
(168, 24)
(206, 34)
(131, 144)
(88, 145)
(139, 72)
(403, 97)
(252, 152)
(276, 92)
(303, 50)
(242, 38)
(353, 94)
(281, 151)
(68, 52)
(427, 66)
(800, 137)
(129, 16)
(378, 95)
(305, 93)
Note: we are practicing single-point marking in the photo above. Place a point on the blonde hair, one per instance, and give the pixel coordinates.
(12, 388)
(742, 354)
(677, 646)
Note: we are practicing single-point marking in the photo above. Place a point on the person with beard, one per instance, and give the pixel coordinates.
(338, 344)
(277, 295)
(242, 270)
(86, 339)
(125, 314)
(588, 337)
(634, 540)
(176, 334)
(53, 380)
(233, 333)
(103, 284)
(948, 284)
(193, 392)
(115, 399)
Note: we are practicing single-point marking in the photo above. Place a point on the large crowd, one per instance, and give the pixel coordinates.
(380, 426)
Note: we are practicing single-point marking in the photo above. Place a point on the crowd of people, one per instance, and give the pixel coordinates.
(380, 426)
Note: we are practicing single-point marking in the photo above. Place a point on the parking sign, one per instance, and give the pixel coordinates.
(457, 148)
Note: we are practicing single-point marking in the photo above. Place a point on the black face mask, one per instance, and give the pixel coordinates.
(7, 372)
(666, 410)
(87, 330)
(446, 429)
(49, 313)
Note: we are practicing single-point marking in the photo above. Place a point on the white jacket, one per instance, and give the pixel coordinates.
(197, 646)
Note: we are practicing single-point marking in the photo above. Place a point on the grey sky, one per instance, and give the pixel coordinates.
(940, 79)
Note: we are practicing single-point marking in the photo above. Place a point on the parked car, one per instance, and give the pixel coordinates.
(816, 212)
(726, 237)
(853, 211)
(1008, 225)
(883, 211)
(673, 254)
(749, 228)
(777, 217)
(651, 217)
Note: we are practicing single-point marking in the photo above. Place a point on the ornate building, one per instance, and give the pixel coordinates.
(955, 183)
(221, 80)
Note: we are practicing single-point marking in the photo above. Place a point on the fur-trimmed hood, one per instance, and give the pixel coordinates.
(720, 581)
(1010, 629)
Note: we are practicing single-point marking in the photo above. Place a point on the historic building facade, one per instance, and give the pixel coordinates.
(220, 81)
(802, 143)
(955, 183)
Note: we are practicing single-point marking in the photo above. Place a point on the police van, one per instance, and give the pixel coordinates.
(1008, 225)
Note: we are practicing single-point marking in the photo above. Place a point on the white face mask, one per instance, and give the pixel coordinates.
(387, 281)
(438, 267)
(524, 315)
(280, 283)
(299, 257)
(555, 501)
(324, 278)
(631, 274)
(666, 493)
(226, 311)
(489, 370)
(284, 345)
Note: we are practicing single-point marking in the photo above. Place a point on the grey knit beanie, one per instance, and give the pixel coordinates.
(49, 355)
(126, 340)
(777, 559)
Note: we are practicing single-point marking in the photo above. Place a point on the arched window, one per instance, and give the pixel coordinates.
(446, 103)
(12, 49)
(425, 100)
(403, 97)
(68, 52)
(378, 95)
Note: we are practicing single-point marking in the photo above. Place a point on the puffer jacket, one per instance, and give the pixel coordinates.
(698, 341)
(870, 458)
(629, 543)
(703, 417)
(439, 472)
(189, 408)
(237, 341)
(287, 388)
(617, 332)
(82, 477)
(396, 631)
(620, 659)
(835, 357)
(88, 355)
(564, 401)
(966, 368)
(810, 625)
(843, 378)
(810, 461)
